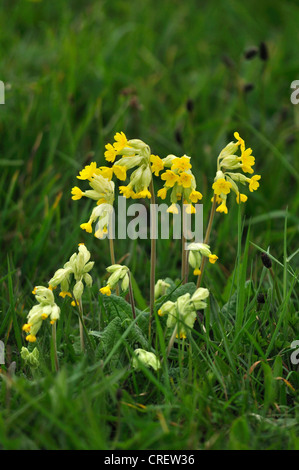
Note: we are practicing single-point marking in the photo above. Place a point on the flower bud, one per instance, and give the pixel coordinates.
(147, 358)
(78, 290)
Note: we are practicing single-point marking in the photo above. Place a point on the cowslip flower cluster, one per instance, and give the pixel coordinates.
(134, 154)
(117, 273)
(46, 308)
(182, 313)
(79, 266)
(161, 287)
(196, 252)
(148, 359)
(226, 178)
(102, 191)
(181, 182)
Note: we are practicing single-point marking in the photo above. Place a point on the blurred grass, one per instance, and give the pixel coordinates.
(75, 75)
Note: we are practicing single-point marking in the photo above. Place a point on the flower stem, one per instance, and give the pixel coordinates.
(54, 345)
(112, 257)
(172, 340)
(184, 267)
(131, 296)
(153, 255)
(183, 264)
(206, 240)
(81, 326)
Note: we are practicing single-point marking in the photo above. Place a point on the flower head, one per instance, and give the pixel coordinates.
(78, 267)
(179, 177)
(196, 252)
(146, 358)
(227, 179)
(183, 312)
(46, 307)
(118, 273)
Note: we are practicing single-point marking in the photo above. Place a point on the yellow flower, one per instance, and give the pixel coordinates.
(170, 178)
(247, 161)
(110, 153)
(74, 303)
(197, 272)
(101, 201)
(185, 180)
(157, 164)
(181, 164)
(34, 291)
(241, 142)
(222, 208)
(63, 294)
(106, 290)
(173, 209)
(106, 172)
(44, 316)
(221, 186)
(190, 209)
(31, 338)
(213, 258)
(89, 171)
(120, 172)
(143, 194)
(120, 141)
(182, 336)
(241, 198)
(218, 199)
(126, 191)
(162, 193)
(253, 183)
(26, 327)
(87, 226)
(76, 193)
(195, 196)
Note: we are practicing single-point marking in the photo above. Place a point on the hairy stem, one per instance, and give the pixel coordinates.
(206, 240)
(153, 255)
(131, 297)
(54, 344)
(172, 340)
(81, 326)
(112, 257)
(184, 254)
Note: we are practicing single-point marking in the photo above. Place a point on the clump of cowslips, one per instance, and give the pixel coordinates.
(102, 191)
(46, 308)
(148, 359)
(78, 266)
(180, 181)
(226, 178)
(134, 153)
(196, 252)
(117, 273)
(182, 312)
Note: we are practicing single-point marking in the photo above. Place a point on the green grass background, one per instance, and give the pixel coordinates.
(76, 73)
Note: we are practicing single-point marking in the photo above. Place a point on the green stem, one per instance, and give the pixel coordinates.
(206, 240)
(131, 296)
(54, 345)
(81, 326)
(184, 254)
(112, 257)
(172, 340)
(153, 255)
